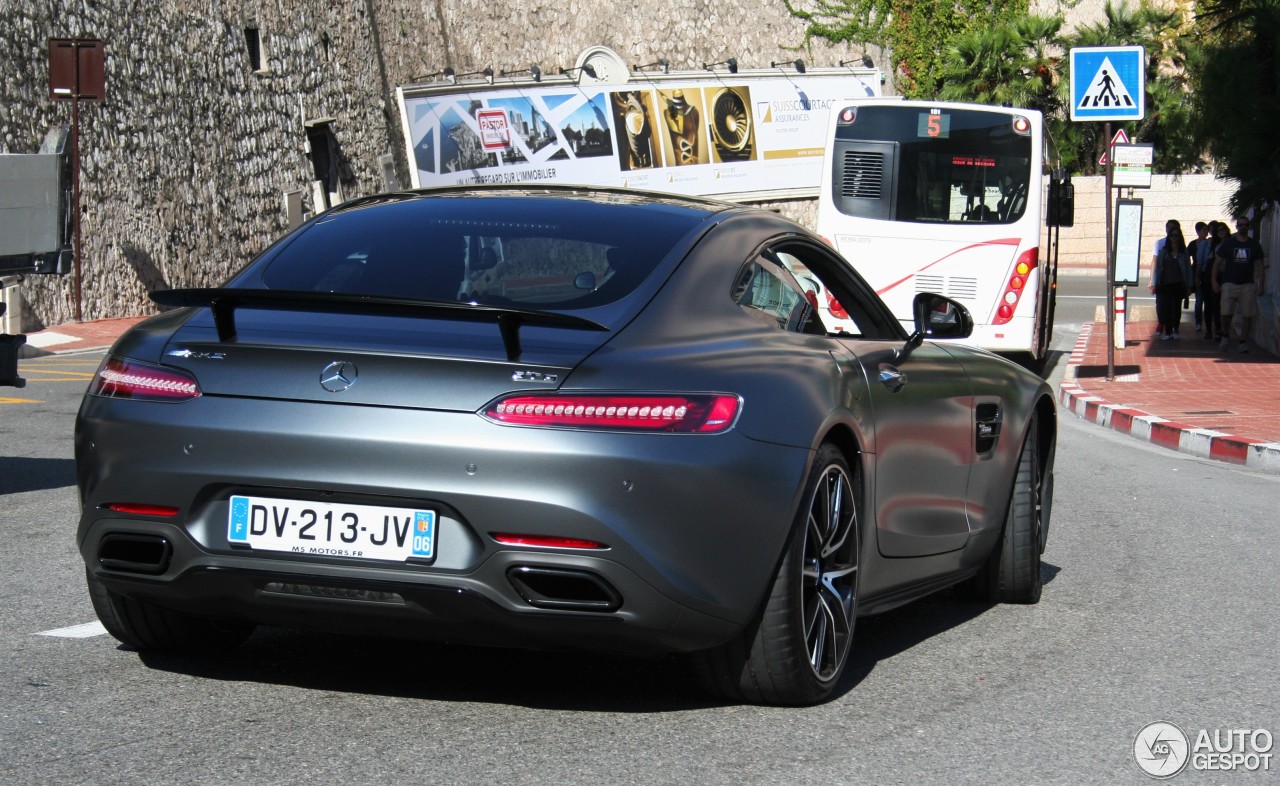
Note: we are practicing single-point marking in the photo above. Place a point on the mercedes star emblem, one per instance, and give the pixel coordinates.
(338, 376)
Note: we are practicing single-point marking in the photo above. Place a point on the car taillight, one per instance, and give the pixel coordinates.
(120, 378)
(142, 509)
(545, 541)
(1027, 262)
(663, 413)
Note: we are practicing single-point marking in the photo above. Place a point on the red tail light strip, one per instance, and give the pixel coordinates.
(681, 414)
(120, 378)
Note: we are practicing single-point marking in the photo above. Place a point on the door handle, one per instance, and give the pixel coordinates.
(892, 378)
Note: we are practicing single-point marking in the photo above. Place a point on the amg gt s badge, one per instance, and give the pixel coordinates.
(195, 354)
(338, 376)
(533, 376)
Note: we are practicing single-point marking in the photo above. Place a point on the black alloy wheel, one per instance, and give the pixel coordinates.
(797, 650)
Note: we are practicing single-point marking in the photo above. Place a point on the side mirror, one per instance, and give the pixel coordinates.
(585, 280)
(940, 317)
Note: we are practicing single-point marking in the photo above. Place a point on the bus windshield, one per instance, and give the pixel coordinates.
(952, 165)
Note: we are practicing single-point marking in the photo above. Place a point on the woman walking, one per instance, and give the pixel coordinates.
(1171, 280)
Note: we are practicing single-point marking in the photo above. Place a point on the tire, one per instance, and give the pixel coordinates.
(149, 628)
(796, 651)
(1012, 572)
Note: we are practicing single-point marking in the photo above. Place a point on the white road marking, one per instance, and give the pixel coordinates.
(48, 338)
(85, 631)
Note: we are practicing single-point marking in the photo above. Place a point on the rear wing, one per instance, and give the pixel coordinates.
(225, 302)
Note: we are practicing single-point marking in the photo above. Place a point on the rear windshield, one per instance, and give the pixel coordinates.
(526, 252)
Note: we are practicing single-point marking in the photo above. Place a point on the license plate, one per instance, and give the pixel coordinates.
(332, 529)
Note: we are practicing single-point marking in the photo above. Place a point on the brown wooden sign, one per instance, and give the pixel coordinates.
(77, 69)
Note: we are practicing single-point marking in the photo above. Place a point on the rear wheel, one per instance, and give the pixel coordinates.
(145, 626)
(1012, 572)
(797, 651)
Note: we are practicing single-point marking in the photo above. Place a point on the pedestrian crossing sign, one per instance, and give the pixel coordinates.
(1108, 83)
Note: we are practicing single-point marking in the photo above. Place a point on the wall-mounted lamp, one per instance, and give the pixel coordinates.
(535, 70)
(662, 63)
(486, 72)
(584, 68)
(447, 73)
(865, 62)
(731, 63)
(797, 64)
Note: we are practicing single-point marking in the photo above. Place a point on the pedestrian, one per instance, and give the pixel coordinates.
(1170, 280)
(1218, 233)
(1200, 251)
(1237, 264)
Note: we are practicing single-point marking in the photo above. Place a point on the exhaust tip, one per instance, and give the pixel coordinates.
(563, 589)
(135, 553)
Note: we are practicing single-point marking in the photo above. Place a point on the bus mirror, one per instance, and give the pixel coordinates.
(1061, 208)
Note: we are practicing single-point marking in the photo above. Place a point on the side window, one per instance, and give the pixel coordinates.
(765, 290)
(834, 316)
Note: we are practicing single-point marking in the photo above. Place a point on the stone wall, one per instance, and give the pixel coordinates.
(186, 163)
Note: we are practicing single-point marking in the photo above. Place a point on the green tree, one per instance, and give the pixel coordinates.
(1015, 63)
(1237, 104)
(1169, 122)
(916, 32)
(1024, 63)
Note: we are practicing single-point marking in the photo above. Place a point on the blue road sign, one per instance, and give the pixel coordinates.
(1108, 83)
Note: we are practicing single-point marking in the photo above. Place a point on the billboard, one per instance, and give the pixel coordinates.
(745, 135)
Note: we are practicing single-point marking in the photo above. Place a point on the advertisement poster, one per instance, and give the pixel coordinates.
(707, 135)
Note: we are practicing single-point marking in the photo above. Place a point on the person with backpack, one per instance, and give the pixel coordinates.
(1171, 280)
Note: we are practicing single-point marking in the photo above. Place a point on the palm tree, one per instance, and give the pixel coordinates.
(1011, 64)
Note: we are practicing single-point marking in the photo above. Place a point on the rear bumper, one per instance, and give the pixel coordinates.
(693, 524)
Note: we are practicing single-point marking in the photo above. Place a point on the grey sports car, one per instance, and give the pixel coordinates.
(557, 418)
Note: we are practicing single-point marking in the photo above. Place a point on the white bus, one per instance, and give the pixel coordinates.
(947, 198)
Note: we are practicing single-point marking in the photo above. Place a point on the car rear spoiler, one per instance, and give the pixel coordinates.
(225, 302)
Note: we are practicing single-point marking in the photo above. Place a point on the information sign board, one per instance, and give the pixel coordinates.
(1128, 242)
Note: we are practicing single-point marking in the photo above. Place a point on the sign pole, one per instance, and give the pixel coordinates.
(1108, 83)
(75, 197)
(76, 73)
(1111, 266)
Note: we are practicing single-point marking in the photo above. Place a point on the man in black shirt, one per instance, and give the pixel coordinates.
(1238, 266)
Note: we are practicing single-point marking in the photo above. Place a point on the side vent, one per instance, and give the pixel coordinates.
(862, 174)
(989, 419)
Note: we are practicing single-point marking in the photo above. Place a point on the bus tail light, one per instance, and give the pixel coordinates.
(1027, 262)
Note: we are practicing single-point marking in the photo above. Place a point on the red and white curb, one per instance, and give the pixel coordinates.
(1205, 443)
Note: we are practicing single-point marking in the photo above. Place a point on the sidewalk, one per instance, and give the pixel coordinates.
(77, 337)
(1183, 395)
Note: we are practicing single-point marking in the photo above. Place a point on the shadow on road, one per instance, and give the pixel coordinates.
(35, 474)
(541, 680)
